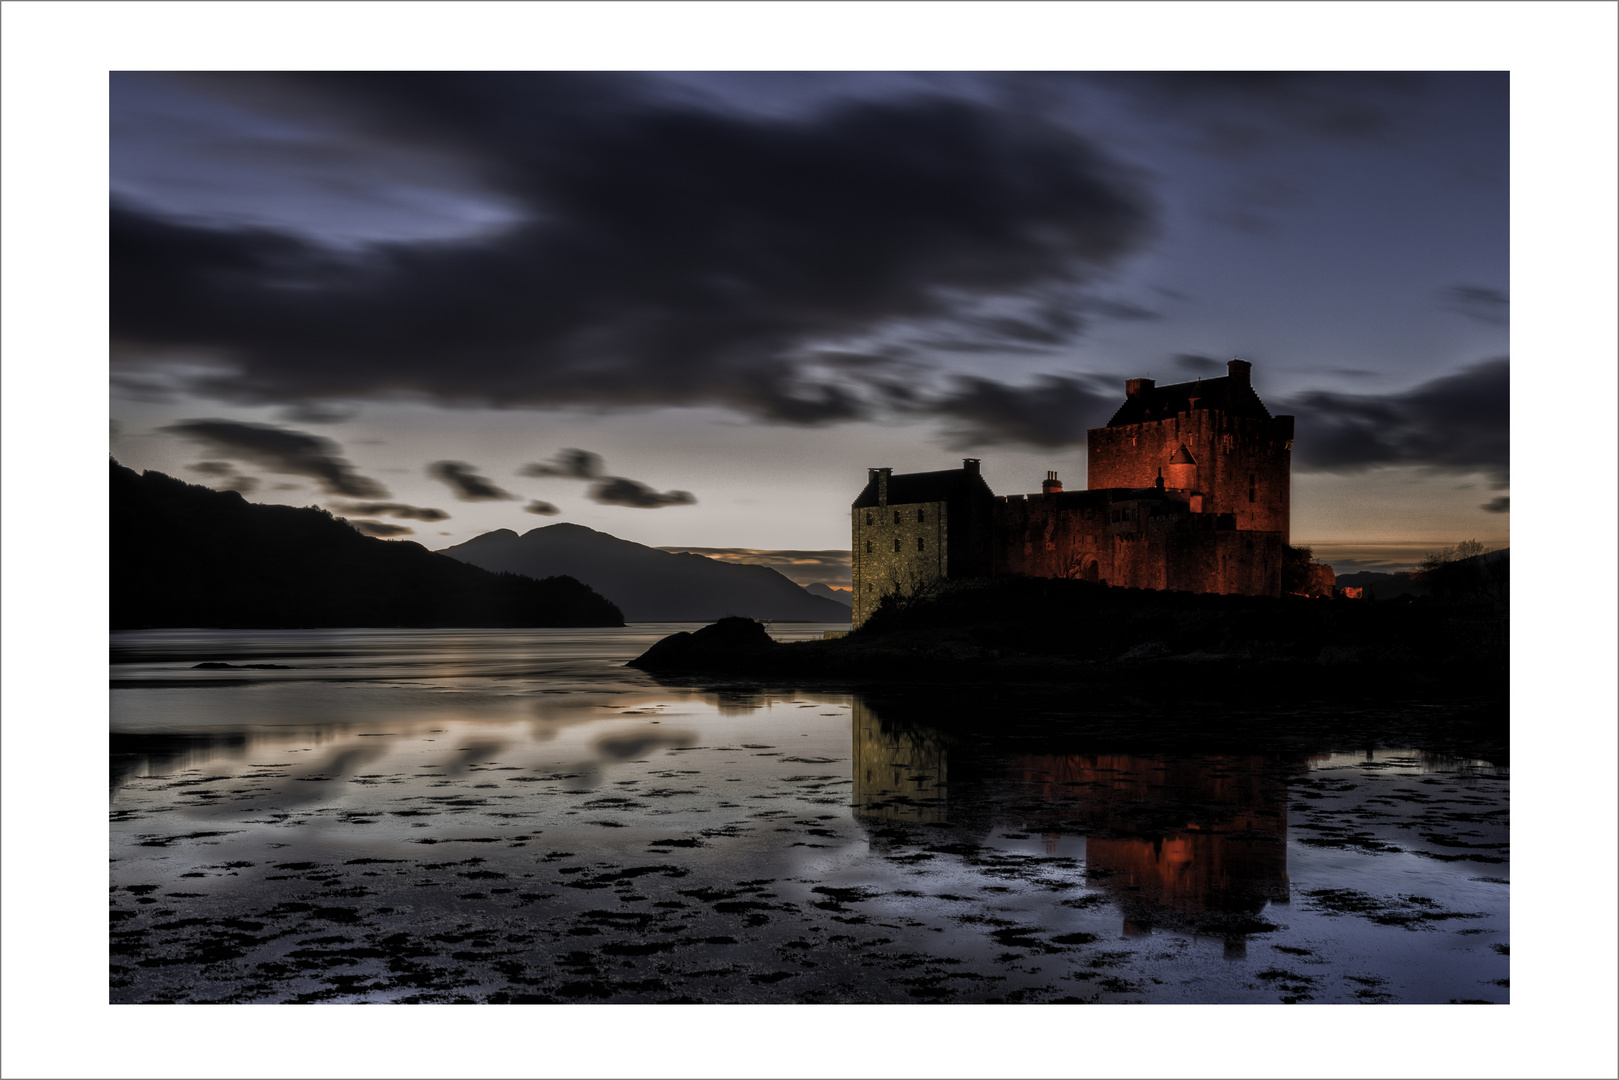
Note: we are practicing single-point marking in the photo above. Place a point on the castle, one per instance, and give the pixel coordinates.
(1188, 489)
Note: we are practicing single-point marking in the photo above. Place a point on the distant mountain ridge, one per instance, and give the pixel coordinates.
(841, 596)
(1380, 586)
(186, 555)
(647, 584)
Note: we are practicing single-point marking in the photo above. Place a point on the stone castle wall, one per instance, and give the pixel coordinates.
(1133, 543)
(897, 546)
(1243, 465)
(1218, 523)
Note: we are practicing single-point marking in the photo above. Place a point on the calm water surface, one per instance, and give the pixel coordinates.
(514, 816)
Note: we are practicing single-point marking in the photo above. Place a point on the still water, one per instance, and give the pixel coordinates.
(499, 815)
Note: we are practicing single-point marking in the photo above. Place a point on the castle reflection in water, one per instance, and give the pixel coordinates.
(1191, 842)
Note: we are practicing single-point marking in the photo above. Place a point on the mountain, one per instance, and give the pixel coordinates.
(648, 584)
(1483, 574)
(186, 555)
(842, 596)
(1361, 578)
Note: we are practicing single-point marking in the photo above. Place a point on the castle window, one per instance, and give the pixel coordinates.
(921, 515)
(868, 517)
(896, 517)
(896, 543)
(868, 547)
(921, 543)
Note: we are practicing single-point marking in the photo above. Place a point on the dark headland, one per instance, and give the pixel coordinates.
(186, 555)
(1077, 638)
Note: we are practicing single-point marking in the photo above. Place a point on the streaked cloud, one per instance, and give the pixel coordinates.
(466, 484)
(281, 450)
(618, 491)
(393, 509)
(382, 529)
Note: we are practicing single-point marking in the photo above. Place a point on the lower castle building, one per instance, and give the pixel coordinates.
(1189, 489)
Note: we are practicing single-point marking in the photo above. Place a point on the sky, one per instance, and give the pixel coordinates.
(691, 309)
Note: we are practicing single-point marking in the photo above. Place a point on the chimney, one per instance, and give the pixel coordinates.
(1137, 387)
(1239, 370)
(1051, 485)
(881, 476)
(969, 465)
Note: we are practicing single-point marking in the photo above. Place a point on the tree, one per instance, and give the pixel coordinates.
(1296, 562)
(1460, 573)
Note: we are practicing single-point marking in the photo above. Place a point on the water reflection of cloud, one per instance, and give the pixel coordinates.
(345, 761)
(629, 747)
(479, 753)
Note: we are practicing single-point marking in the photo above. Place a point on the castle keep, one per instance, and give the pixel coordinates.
(1188, 489)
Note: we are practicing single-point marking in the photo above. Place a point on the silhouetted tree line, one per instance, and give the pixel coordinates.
(1466, 573)
(1298, 573)
(186, 555)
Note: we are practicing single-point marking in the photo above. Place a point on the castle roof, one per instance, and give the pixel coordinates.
(1232, 396)
(946, 485)
(1183, 456)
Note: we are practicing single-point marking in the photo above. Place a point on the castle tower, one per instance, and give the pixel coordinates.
(1182, 471)
(912, 530)
(1240, 455)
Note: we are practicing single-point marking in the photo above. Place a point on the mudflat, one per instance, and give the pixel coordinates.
(488, 816)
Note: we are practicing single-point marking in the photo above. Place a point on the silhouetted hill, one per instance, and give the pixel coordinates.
(186, 555)
(1362, 578)
(648, 584)
(1486, 573)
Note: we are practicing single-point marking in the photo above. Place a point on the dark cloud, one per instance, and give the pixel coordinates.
(618, 491)
(393, 509)
(572, 463)
(539, 506)
(467, 485)
(1501, 504)
(576, 464)
(666, 254)
(1199, 365)
(1055, 411)
(382, 528)
(224, 477)
(1457, 423)
(1489, 306)
(1241, 111)
(318, 412)
(281, 450)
